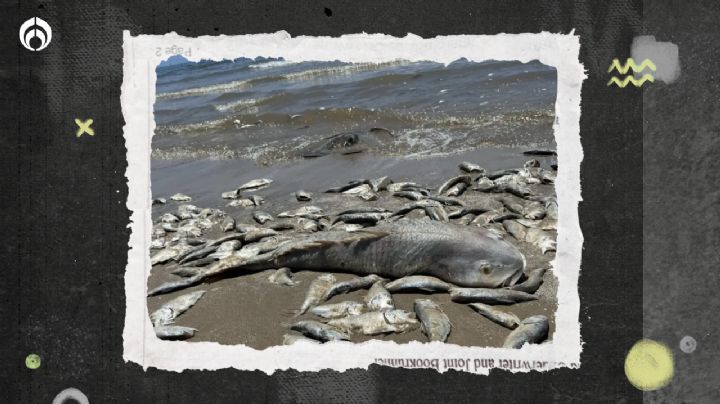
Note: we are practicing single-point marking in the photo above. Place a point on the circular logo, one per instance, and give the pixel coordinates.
(35, 34)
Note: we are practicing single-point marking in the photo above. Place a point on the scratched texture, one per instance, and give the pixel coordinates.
(681, 207)
(64, 221)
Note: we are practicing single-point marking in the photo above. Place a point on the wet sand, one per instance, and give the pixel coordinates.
(252, 311)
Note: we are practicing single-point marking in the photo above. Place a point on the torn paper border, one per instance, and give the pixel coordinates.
(141, 56)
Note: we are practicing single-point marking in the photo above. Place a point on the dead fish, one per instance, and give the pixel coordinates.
(380, 184)
(501, 173)
(187, 211)
(351, 285)
(159, 201)
(316, 292)
(259, 234)
(489, 296)
(241, 203)
(466, 179)
(532, 283)
(169, 254)
(319, 331)
(157, 244)
(168, 312)
(551, 209)
(338, 310)
(189, 230)
(474, 210)
(303, 196)
(435, 324)
(364, 209)
(402, 186)
(370, 218)
(348, 227)
(378, 298)
(542, 239)
(534, 211)
(467, 219)
(446, 200)
(305, 210)
(230, 194)
(169, 218)
(180, 198)
(374, 323)
(169, 227)
(289, 339)
(306, 225)
(516, 189)
(282, 226)
(531, 164)
(507, 320)
(230, 245)
(254, 184)
(418, 282)
(228, 224)
(515, 229)
(484, 184)
(174, 332)
(257, 200)
(531, 330)
(437, 212)
(363, 192)
(342, 188)
(471, 168)
(457, 189)
(197, 253)
(412, 195)
(540, 152)
(283, 277)
(262, 217)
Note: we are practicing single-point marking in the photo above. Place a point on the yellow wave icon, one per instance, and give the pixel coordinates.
(630, 64)
(631, 79)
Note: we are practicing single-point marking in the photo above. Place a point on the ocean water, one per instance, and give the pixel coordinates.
(273, 110)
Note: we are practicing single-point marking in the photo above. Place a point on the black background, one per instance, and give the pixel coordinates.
(64, 219)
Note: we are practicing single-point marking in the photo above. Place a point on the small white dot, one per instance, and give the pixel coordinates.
(688, 344)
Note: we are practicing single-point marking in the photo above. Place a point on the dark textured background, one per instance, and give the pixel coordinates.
(64, 221)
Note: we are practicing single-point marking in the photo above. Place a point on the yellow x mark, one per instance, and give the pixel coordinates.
(84, 127)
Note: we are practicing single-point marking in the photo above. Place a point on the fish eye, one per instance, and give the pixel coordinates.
(486, 269)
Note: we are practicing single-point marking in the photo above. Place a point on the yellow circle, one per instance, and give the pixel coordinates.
(32, 361)
(649, 365)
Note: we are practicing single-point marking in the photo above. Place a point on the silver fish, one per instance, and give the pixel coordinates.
(401, 186)
(228, 224)
(462, 255)
(169, 218)
(319, 331)
(466, 179)
(435, 323)
(289, 339)
(471, 168)
(283, 277)
(174, 332)
(531, 330)
(374, 323)
(351, 285)
(338, 310)
(418, 282)
(230, 194)
(180, 198)
(316, 292)
(310, 209)
(380, 184)
(542, 239)
(370, 218)
(378, 298)
(262, 217)
(254, 184)
(457, 189)
(532, 283)
(241, 203)
(507, 320)
(484, 184)
(303, 196)
(168, 312)
(159, 201)
(306, 225)
(489, 296)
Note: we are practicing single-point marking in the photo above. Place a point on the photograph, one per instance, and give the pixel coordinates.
(314, 201)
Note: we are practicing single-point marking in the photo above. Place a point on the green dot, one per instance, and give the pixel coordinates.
(32, 361)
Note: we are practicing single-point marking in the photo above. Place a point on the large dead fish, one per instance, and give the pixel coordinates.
(531, 330)
(462, 255)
